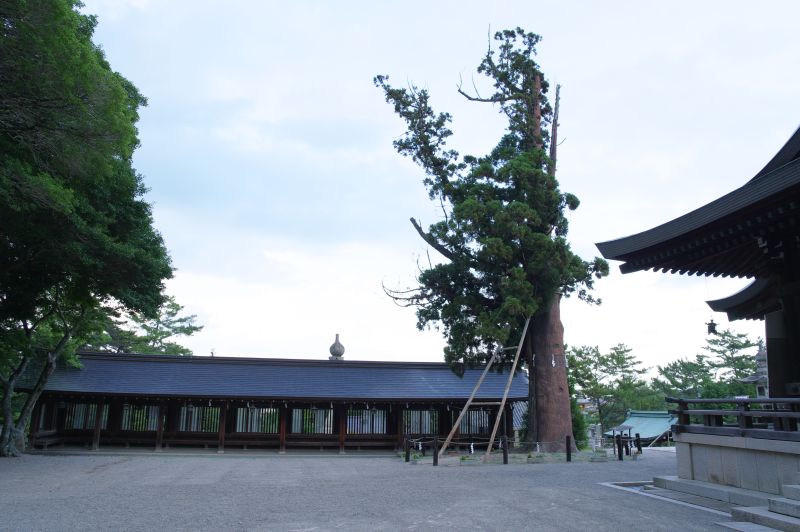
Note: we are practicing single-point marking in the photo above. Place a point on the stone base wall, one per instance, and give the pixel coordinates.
(750, 463)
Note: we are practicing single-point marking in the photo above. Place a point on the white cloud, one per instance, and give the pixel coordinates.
(304, 297)
(661, 113)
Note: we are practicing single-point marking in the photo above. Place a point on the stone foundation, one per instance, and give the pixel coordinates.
(749, 463)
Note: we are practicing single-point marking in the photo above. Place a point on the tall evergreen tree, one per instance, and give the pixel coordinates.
(502, 236)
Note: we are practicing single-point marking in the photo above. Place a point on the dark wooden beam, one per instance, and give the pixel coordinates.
(342, 410)
(36, 419)
(283, 414)
(98, 424)
(223, 415)
(162, 412)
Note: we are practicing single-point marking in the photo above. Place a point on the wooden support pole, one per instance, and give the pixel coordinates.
(507, 388)
(282, 430)
(436, 450)
(569, 448)
(466, 406)
(98, 424)
(638, 443)
(504, 442)
(407, 449)
(619, 446)
(162, 411)
(223, 417)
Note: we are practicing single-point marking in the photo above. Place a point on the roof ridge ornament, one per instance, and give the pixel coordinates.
(336, 350)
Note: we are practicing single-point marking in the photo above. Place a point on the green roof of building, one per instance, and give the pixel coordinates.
(649, 425)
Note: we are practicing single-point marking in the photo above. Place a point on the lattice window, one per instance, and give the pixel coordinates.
(81, 416)
(366, 421)
(199, 419)
(140, 418)
(312, 421)
(257, 419)
(420, 422)
(476, 422)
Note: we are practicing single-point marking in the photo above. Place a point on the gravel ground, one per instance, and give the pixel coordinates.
(238, 491)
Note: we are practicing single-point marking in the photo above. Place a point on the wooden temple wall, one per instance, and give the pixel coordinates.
(159, 422)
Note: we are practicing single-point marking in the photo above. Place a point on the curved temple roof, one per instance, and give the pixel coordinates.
(269, 378)
(751, 303)
(724, 237)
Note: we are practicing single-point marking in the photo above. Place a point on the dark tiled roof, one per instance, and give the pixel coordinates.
(171, 376)
(752, 302)
(702, 240)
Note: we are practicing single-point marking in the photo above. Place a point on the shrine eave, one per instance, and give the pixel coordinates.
(729, 236)
(753, 302)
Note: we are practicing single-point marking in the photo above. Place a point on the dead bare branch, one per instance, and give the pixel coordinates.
(432, 242)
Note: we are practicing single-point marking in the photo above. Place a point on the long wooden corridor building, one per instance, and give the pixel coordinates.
(162, 401)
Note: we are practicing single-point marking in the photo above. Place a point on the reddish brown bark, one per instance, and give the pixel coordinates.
(552, 411)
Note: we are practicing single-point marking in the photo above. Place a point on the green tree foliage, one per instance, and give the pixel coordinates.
(134, 332)
(503, 231)
(75, 232)
(612, 381)
(579, 429)
(728, 358)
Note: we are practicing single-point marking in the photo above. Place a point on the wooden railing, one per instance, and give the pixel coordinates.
(766, 418)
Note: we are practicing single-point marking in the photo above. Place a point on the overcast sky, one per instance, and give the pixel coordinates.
(268, 153)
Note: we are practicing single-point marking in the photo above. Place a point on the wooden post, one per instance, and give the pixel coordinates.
(282, 430)
(61, 414)
(683, 416)
(745, 421)
(509, 421)
(504, 442)
(35, 420)
(162, 410)
(638, 443)
(569, 448)
(342, 409)
(436, 450)
(407, 449)
(98, 424)
(619, 446)
(223, 417)
(114, 418)
(400, 427)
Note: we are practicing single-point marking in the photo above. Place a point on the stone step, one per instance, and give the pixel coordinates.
(746, 526)
(784, 506)
(762, 516)
(791, 491)
(738, 496)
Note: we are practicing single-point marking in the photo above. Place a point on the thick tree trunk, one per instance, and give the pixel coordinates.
(532, 434)
(12, 439)
(553, 415)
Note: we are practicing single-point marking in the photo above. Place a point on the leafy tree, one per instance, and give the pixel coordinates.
(76, 233)
(716, 373)
(502, 235)
(728, 356)
(612, 382)
(137, 333)
(579, 429)
(503, 231)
